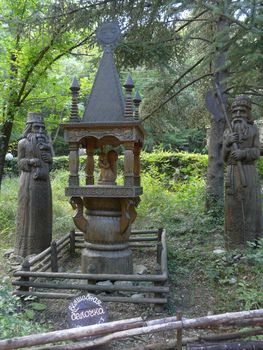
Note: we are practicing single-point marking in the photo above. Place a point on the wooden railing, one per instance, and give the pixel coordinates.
(104, 333)
(35, 279)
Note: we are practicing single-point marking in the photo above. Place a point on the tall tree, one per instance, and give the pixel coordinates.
(36, 34)
(215, 171)
(228, 35)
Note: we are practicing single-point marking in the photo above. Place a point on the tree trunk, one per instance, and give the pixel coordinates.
(215, 172)
(5, 135)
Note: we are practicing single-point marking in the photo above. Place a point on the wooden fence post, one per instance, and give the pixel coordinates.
(159, 245)
(72, 242)
(159, 307)
(179, 332)
(54, 257)
(25, 267)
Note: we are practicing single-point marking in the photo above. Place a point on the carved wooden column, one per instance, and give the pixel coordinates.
(137, 166)
(90, 164)
(74, 164)
(129, 164)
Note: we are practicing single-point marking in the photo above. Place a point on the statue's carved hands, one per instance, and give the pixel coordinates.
(35, 162)
(232, 138)
(46, 157)
(237, 154)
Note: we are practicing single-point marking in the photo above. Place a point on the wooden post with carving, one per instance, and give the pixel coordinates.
(137, 165)
(73, 164)
(129, 164)
(90, 164)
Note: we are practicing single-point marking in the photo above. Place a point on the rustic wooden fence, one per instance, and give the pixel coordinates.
(113, 331)
(40, 276)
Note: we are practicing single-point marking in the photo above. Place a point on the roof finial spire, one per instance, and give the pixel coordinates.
(129, 85)
(74, 112)
(137, 100)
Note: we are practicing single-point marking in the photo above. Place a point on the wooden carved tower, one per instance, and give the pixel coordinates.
(110, 125)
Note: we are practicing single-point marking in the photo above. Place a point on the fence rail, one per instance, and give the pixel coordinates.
(34, 278)
(117, 330)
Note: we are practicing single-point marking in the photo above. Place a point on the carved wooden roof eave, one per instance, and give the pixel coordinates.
(123, 131)
(95, 191)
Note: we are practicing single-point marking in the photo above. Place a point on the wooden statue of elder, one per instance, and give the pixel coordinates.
(243, 213)
(34, 212)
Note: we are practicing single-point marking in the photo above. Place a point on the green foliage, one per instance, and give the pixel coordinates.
(166, 204)
(188, 164)
(260, 167)
(171, 138)
(178, 164)
(239, 275)
(14, 319)
(8, 210)
(62, 210)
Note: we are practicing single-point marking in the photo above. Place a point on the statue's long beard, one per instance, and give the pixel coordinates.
(37, 138)
(240, 127)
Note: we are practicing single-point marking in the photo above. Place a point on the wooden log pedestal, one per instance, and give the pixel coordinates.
(106, 226)
(97, 259)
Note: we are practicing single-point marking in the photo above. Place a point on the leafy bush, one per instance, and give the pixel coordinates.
(238, 274)
(260, 167)
(167, 203)
(8, 205)
(180, 164)
(14, 320)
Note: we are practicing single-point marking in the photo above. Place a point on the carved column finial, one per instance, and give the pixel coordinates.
(74, 113)
(129, 85)
(137, 100)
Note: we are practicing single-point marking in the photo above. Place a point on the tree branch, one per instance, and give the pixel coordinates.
(36, 62)
(202, 39)
(229, 18)
(175, 94)
(79, 9)
(190, 21)
(53, 61)
(183, 75)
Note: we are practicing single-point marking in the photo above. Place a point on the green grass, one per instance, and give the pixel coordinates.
(15, 320)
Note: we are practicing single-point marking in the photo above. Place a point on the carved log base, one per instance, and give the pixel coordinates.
(107, 261)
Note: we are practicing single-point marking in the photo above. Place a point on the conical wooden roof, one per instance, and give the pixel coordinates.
(106, 101)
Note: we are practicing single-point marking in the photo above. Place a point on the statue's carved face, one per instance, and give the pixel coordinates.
(38, 128)
(108, 33)
(240, 112)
